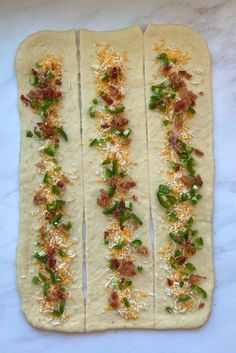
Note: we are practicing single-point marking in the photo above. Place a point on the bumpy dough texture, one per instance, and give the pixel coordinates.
(62, 44)
(201, 125)
(131, 40)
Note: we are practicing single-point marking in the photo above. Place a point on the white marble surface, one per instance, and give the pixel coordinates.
(215, 20)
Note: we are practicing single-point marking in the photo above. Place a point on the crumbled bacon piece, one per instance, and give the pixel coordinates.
(115, 264)
(58, 82)
(185, 74)
(114, 72)
(34, 72)
(126, 268)
(25, 100)
(113, 181)
(43, 93)
(40, 165)
(198, 152)
(114, 300)
(51, 258)
(46, 130)
(49, 215)
(170, 282)
(180, 260)
(105, 126)
(188, 97)
(176, 81)
(60, 184)
(39, 198)
(126, 185)
(166, 69)
(189, 248)
(196, 279)
(199, 181)
(104, 199)
(143, 250)
(189, 181)
(114, 91)
(64, 179)
(178, 124)
(106, 234)
(107, 99)
(57, 295)
(119, 121)
(125, 142)
(201, 305)
(179, 106)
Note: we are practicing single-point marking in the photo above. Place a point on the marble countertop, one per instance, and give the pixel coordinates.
(215, 20)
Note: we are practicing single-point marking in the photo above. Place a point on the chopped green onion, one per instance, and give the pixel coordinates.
(183, 196)
(163, 108)
(166, 122)
(115, 167)
(183, 297)
(29, 133)
(56, 220)
(199, 242)
(191, 110)
(111, 191)
(105, 77)
(116, 131)
(47, 178)
(45, 288)
(119, 108)
(44, 108)
(41, 256)
(164, 189)
(126, 132)
(50, 74)
(38, 134)
(55, 189)
(106, 161)
(172, 216)
(166, 200)
(136, 219)
(55, 205)
(34, 80)
(42, 277)
(190, 267)
(123, 218)
(38, 66)
(95, 101)
(123, 174)
(136, 243)
(120, 244)
(35, 280)
(200, 291)
(164, 59)
(139, 268)
(111, 209)
(62, 253)
(172, 96)
(181, 284)
(126, 302)
(128, 205)
(108, 173)
(50, 150)
(58, 312)
(52, 276)
(169, 309)
(61, 132)
(177, 253)
(175, 238)
(152, 105)
(92, 111)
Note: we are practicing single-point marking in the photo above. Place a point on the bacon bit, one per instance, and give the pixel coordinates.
(126, 185)
(119, 121)
(43, 93)
(53, 296)
(39, 198)
(143, 250)
(105, 126)
(187, 96)
(189, 248)
(126, 268)
(104, 199)
(115, 263)
(42, 231)
(34, 72)
(125, 142)
(60, 184)
(64, 179)
(107, 99)
(201, 93)
(170, 282)
(199, 180)
(201, 305)
(198, 152)
(40, 165)
(106, 234)
(185, 74)
(113, 181)
(46, 129)
(49, 215)
(196, 279)
(179, 106)
(173, 139)
(51, 258)
(58, 82)
(176, 81)
(25, 100)
(179, 124)
(114, 300)
(114, 91)
(166, 69)
(114, 72)
(180, 260)
(190, 181)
